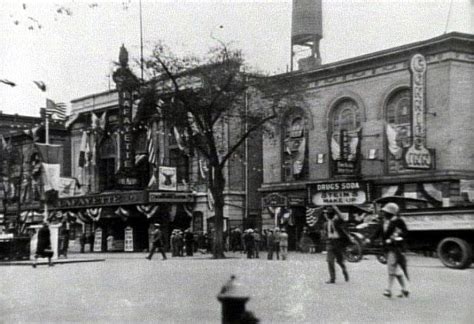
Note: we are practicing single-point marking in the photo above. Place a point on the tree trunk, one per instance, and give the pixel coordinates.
(217, 189)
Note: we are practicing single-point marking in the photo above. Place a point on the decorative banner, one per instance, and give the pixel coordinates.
(346, 153)
(127, 83)
(122, 212)
(339, 193)
(94, 213)
(417, 156)
(167, 179)
(147, 210)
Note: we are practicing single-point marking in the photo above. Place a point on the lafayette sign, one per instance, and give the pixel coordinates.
(339, 193)
(121, 198)
(417, 156)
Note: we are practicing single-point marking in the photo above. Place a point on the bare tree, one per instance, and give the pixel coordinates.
(207, 93)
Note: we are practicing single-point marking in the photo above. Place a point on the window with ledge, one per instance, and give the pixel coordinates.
(294, 148)
(398, 129)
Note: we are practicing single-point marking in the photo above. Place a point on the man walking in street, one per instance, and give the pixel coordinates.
(158, 242)
(43, 247)
(393, 231)
(337, 239)
(283, 244)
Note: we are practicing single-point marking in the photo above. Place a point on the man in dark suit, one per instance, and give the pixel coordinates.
(43, 247)
(337, 239)
(158, 242)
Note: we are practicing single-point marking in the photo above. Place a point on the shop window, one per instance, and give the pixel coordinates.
(294, 148)
(398, 129)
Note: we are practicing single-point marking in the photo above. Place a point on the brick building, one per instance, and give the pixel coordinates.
(346, 142)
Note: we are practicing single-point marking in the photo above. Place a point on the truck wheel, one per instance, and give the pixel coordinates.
(353, 251)
(455, 253)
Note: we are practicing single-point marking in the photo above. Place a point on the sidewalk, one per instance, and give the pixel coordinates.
(72, 258)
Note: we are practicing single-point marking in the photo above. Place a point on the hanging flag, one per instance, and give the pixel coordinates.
(354, 145)
(95, 121)
(335, 149)
(103, 121)
(210, 200)
(298, 161)
(117, 161)
(152, 181)
(312, 215)
(83, 150)
(393, 147)
(203, 169)
(152, 152)
(178, 138)
(40, 85)
(56, 111)
(50, 157)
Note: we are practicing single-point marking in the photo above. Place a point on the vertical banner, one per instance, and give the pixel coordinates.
(127, 84)
(417, 156)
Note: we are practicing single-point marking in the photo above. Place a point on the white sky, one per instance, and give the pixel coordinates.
(73, 54)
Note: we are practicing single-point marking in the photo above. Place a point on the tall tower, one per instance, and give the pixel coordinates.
(306, 32)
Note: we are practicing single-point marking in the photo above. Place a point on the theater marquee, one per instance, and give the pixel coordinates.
(339, 193)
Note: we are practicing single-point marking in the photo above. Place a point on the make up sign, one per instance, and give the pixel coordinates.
(417, 156)
(339, 193)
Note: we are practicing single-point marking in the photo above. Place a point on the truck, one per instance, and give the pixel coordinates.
(448, 231)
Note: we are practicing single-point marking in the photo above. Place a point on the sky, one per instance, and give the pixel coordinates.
(73, 52)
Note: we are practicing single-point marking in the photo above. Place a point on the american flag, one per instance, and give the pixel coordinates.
(152, 153)
(312, 215)
(56, 110)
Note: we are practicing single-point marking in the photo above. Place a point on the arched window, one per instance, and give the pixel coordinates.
(346, 117)
(294, 147)
(398, 129)
(345, 121)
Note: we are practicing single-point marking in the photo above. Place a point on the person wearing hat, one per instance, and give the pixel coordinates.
(337, 239)
(249, 243)
(393, 231)
(43, 247)
(158, 242)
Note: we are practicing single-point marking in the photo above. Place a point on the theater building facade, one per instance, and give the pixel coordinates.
(395, 122)
(134, 172)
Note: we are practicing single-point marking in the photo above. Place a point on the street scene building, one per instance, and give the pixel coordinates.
(394, 122)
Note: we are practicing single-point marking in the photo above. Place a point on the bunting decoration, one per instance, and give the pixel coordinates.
(312, 215)
(188, 210)
(152, 181)
(148, 210)
(81, 218)
(122, 212)
(203, 169)
(94, 213)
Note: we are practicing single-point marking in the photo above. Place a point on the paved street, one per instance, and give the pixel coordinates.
(129, 288)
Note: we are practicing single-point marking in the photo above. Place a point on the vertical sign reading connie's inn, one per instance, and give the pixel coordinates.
(127, 84)
(417, 156)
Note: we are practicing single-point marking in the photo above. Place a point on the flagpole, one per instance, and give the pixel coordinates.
(46, 125)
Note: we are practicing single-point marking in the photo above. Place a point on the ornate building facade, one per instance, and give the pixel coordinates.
(394, 122)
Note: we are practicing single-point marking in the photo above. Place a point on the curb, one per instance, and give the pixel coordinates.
(30, 262)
